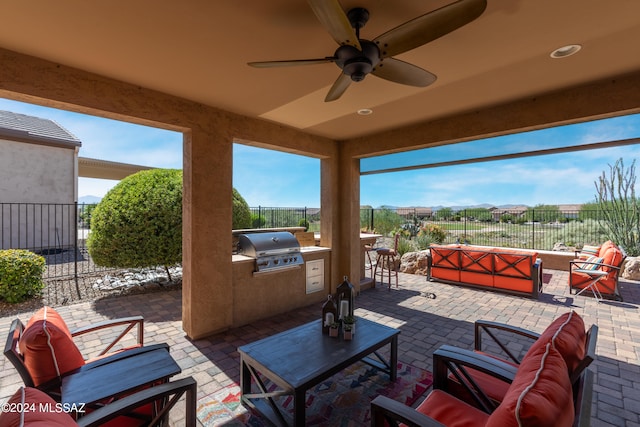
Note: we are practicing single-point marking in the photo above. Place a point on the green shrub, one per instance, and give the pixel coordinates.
(434, 232)
(303, 223)
(139, 222)
(423, 241)
(241, 212)
(386, 220)
(404, 246)
(20, 275)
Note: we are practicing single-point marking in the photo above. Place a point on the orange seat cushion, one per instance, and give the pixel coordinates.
(48, 348)
(33, 405)
(540, 394)
(450, 411)
(606, 286)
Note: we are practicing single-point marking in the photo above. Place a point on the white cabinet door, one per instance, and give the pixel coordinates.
(315, 275)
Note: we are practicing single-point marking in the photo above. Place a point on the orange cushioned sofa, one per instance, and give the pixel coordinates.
(501, 269)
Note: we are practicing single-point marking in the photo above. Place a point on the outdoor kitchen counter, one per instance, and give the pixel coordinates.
(264, 294)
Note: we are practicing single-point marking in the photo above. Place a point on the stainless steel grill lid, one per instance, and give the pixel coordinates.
(272, 250)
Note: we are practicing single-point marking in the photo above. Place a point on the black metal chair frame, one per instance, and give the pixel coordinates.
(16, 329)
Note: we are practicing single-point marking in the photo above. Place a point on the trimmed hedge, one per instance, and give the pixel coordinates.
(139, 222)
(20, 275)
(241, 212)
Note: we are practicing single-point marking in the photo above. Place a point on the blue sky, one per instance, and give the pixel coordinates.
(270, 178)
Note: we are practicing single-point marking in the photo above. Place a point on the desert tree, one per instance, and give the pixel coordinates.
(619, 206)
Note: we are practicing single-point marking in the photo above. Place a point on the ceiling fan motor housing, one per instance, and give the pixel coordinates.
(358, 63)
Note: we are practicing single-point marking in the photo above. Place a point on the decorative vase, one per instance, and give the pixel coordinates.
(348, 334)
(348, 328)
(333, 331)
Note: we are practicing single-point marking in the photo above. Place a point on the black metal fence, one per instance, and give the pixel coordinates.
(270, 217)
(59, 231)
(531, 228)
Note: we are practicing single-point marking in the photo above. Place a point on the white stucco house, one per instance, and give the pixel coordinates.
(38, 182)
(39, 170)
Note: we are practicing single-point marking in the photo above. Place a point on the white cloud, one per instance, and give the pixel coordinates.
(271, 178)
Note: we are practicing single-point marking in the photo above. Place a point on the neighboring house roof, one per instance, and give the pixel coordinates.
(35, 130)
(569, 208)
(414, 211)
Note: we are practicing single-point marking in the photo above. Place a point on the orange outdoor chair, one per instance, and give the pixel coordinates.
(577, 347)
(550, 385)
(34, 408)
(597, 270)
(540, 394)
(44, 351)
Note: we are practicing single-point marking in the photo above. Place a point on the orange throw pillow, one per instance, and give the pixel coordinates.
(47, 347)
(569, 338)
(540, 394)
(37, 408)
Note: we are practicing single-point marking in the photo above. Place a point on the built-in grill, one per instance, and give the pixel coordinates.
(275, 250)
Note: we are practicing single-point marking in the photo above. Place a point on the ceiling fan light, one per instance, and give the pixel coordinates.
(564, 51)
(357, 68)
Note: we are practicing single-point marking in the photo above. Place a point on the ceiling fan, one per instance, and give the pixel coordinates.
(358, 57)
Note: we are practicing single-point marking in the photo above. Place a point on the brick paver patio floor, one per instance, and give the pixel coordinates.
(425, 324)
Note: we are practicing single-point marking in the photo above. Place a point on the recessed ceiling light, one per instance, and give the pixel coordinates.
(564, 51)
(365, 111)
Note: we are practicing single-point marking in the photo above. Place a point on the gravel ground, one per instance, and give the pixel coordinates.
(61, 288)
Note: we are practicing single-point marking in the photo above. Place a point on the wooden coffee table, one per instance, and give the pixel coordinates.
(302, 357)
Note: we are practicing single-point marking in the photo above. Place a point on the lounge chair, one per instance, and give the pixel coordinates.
(44, 351)
(593, 262)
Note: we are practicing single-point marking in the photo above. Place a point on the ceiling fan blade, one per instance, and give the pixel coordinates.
(428, 27)
(338, 88)
(335, 21)
(402, 72)
(291, 63)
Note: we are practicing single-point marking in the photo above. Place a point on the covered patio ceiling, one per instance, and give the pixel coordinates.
(198, 50)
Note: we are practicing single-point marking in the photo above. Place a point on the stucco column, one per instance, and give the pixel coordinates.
(340, 181)
(330, 214)
(207, 297)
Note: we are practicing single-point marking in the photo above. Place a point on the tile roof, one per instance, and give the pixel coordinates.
(35, 129)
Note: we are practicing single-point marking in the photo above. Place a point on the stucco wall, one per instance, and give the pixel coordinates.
(34, 173)
(33, 176)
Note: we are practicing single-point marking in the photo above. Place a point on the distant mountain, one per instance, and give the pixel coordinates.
(89, 200)
(483, 205)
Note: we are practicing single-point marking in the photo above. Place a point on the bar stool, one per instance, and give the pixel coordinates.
(386, 260)
(369, 263)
